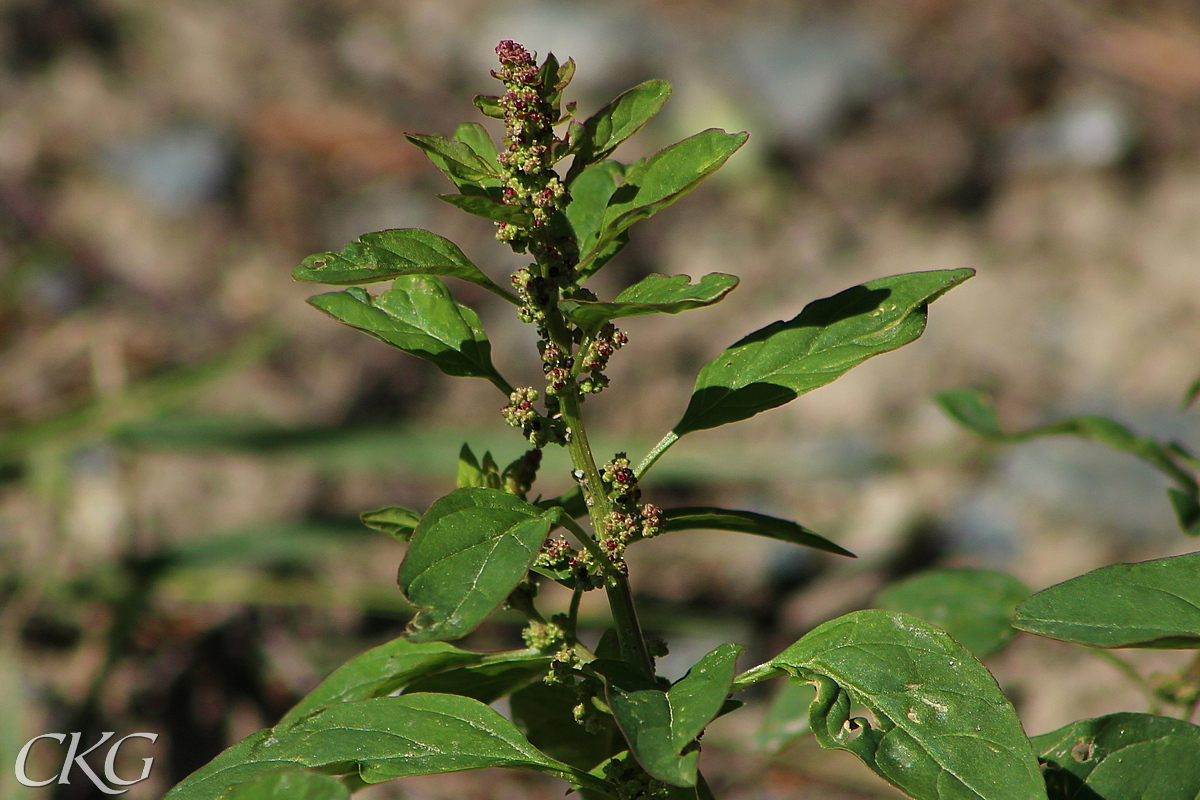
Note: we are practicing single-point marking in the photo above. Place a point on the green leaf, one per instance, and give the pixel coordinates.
(418, 315)
(383, 255)
(1153, 604)
(379, 672)
(382, 739)
(1187, 510)
(700, 791)
(489, 208)
(551, 76)
(545, 714)
(590, 193)
(658, 182)
(944, 730)
(488, 105)
(787, 716)
(472, 173)
(655, 294)
(396, 521)
(488, 682)
(471, 549)
(476, 137)
(975, 606)
(722, 519)
(784, 360)
(470, 473)
(241, 763)
(660, 726)
(975, 410)
(1190, 395)
(623, 117)
(1122, 757)
(290, 784)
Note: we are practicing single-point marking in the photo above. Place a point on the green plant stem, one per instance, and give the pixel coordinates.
(663, 445)
(620, 598)
(501, 292)
(1153, 703)
(503, 385)
(573, 614)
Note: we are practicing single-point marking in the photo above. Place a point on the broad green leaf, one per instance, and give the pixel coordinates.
(1122, 757)
(1152, 604)
(661, 726)
(471, 549)
(723, 519)
(476, 137)
(488, 105)
(545, 714)
(234, 766)
(623, 117)
(457, 159)
(396, 521)
(655, 294)
(556, 78)
(488, 682)
(489, 208)
(590, 193)
(975, 606)
(944, 730)
(470, 473)
(290, 784)
(829, 337)
(975, 410)
(379, 672)
(787, 716)
(418, 315)
(379, 740)
(383, 255)
(658, 182)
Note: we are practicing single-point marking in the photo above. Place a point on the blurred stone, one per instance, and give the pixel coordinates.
(1089, 131)
(808, 75)
(604, 40)
(688, 648)
(55, 288)
(1095, 484)
(386, 204)
(985, 526)
(175, 169)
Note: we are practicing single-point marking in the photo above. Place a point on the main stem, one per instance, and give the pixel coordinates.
(616, 586)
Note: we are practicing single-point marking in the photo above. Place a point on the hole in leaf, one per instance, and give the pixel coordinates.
(1083, 750)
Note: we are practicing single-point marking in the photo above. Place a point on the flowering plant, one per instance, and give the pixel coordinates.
(909, 697)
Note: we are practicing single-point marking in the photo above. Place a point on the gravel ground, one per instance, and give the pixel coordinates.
(185, 444)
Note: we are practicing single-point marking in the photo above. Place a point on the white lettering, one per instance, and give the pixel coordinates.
(73, 760)
(22, 777)
(110, 760)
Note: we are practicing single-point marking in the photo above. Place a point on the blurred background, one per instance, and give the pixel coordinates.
(185, 445)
